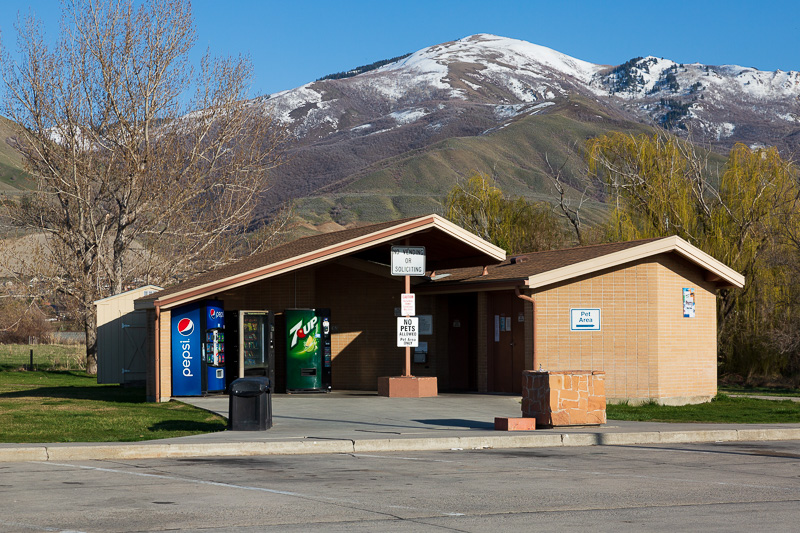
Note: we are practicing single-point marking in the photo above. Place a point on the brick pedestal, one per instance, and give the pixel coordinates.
(514, 423)
(407, 387)
(564, 398)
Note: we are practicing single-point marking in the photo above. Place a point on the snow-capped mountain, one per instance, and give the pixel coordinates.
(513, 77)
(346, 128)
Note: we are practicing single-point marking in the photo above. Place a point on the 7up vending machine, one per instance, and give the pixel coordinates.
(308, 350)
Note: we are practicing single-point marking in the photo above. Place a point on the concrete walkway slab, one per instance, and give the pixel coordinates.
(362, 422)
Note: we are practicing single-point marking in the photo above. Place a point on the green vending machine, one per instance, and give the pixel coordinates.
(308, 350)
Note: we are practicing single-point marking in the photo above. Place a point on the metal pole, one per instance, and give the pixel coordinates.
(407, 372)
(30, 367)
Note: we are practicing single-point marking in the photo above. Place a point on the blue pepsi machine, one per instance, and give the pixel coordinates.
(198, 349)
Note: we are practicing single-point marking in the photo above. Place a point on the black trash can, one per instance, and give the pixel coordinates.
(250, 404)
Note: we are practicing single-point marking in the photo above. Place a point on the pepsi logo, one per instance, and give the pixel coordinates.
(215, 313)
(185, 326)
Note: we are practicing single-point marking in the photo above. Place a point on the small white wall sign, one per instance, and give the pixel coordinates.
(584, 319)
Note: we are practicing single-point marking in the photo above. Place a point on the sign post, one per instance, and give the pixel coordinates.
(408, 261)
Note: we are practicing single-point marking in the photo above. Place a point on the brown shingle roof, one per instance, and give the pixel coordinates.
(540, 269)
(522, 266)
(450, 245)
(286, 251)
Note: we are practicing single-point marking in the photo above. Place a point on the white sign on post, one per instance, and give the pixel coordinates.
(408, 304)
(407, 331)
(408, 260)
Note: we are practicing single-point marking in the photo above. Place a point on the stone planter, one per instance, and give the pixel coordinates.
(564, 398)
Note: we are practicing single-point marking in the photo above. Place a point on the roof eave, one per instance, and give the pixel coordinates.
(382, 236)
(727, 276)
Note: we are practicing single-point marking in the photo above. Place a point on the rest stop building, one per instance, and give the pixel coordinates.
(649, 309)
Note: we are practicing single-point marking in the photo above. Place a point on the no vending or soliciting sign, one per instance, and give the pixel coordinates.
(408, 260)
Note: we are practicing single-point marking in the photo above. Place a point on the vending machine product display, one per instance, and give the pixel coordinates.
(198, 349)
(251, 344)
(214, 347)
(308, 350)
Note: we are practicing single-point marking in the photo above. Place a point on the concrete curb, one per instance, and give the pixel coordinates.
(89, 452)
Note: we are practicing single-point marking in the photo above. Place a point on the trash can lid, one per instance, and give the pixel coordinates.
(250, 385)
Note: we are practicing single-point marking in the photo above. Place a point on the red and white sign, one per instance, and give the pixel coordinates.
(408, 305)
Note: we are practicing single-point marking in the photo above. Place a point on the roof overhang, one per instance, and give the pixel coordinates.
(716, 271)
(141, 291)
(447, 246)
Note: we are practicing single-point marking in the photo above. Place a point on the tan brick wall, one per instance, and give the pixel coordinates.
(165, 351)
(687, 346)
(645, 346)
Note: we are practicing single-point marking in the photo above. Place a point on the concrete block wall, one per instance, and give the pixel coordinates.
(645, 346)
(564, 398)
(364, 343)
(687, 371)
(364, 325)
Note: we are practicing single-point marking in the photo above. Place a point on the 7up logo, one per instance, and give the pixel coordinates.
(305, 332)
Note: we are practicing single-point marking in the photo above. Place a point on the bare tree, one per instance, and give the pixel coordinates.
(137, 180)
(572, 214)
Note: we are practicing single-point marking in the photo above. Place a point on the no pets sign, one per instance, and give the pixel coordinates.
(407, 331)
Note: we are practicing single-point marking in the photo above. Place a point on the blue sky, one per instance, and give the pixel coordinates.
(292, 42)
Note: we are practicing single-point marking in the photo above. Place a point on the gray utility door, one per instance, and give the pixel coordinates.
(134, 336)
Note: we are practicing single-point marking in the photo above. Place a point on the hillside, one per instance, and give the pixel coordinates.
(12, 175)
(374, 144)
(417, 181)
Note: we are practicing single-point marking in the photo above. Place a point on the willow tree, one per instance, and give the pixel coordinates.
(514, 224)
(145, 170)
(736, 211)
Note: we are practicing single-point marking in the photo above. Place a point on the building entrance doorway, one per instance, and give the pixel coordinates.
(462, 357)
(506, 342)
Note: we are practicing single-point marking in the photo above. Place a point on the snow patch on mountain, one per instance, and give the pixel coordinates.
(472, 86)
(513, 110)
(513, 77)
(408, 116)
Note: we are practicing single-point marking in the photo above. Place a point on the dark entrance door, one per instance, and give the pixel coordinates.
(506, 338)
(461, 342)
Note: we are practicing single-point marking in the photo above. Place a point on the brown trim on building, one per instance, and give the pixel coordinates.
(488, 252)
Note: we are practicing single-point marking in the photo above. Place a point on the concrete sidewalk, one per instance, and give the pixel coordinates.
(362, 422)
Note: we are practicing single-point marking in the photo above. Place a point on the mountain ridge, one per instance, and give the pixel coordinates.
(395, 138)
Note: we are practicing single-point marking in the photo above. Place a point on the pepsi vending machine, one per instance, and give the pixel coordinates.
(214, 347)
(198, 349)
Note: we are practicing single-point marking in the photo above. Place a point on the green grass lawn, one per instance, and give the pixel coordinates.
(45, 356)
(70, 406)
(722, 409)
(759, 391)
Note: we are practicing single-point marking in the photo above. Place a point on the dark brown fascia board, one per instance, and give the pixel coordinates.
(471, 286)
(330, 252)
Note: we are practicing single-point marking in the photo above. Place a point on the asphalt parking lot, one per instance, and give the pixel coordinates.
(735, 486)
